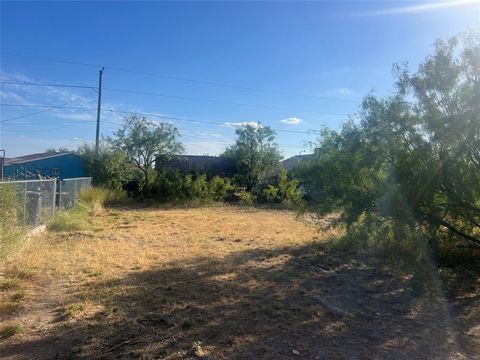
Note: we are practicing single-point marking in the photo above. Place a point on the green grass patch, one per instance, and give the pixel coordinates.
(7, 331)
(72, 309)
(10, 284)
(70, 220)
(18, 295)
(21, 273)
(91, 203)
(99, 197)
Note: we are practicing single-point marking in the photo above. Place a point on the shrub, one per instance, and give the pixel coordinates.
(270, 193)
(246, 198)
(281, 190)
(220, 188)
(201, 188)
(174, 186)
(109, 168)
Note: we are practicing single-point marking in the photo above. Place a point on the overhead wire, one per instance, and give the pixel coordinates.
(63, 125)
(46, 84)
(27, 115)
(160, 116)
(184, 79)
(145, 93)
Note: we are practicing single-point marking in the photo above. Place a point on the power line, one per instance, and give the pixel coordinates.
(84, 122)
(48, 106)
(205, 82)
(222, 102)
(47, 85)
(27, 115)
(310, 132)
(213, 101)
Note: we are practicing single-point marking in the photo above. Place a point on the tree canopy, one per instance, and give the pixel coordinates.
(255, 154)
(413, 159)
(141, 140)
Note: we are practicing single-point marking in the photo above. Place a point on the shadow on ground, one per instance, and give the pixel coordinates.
(294, 302)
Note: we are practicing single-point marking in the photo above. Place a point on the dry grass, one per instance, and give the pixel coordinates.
(121, 241)
(217, 282)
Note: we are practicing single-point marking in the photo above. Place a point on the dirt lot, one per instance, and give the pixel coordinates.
(222, 283)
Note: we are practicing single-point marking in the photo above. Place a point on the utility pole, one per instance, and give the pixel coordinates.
(99, 109)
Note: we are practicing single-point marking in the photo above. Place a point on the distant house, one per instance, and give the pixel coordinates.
(210, 165)
(296, 160)
(45, 165)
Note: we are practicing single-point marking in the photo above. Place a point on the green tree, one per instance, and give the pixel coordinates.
(255, 154)
(57, 150)
(110, 168)
(413, 159)
(142, 140)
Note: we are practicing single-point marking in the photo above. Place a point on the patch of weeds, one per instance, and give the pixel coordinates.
(18, 295)
(107, 311)
(7, 331)
(7, 308)
(72, 309)
(71, 220)
(20, 273)
(11, 239)
(95, 274)
(10, 284)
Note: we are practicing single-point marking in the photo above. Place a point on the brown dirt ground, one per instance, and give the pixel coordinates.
(225, 282)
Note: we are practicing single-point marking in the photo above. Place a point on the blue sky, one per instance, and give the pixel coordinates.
(334, 52)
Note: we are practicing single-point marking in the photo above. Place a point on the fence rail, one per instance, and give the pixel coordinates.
(32, 202)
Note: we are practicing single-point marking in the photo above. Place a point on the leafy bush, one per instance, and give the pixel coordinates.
(220, 188)
(281, 190)
(174, 186)
(108, 169)
(246, 197)
(270, 193)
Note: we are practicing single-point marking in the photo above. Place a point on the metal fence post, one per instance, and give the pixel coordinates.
(54, 195)
(59, 194)
(75, 192)
(25, 204)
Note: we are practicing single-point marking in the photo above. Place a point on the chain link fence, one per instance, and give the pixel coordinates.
(69, 191)
(32, 202)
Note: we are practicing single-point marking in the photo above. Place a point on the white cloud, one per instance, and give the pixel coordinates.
(77, 116)
(344, 91)
(431, 6)
(242, 124)
(204, 147)
(291, 121)
(12, 96)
